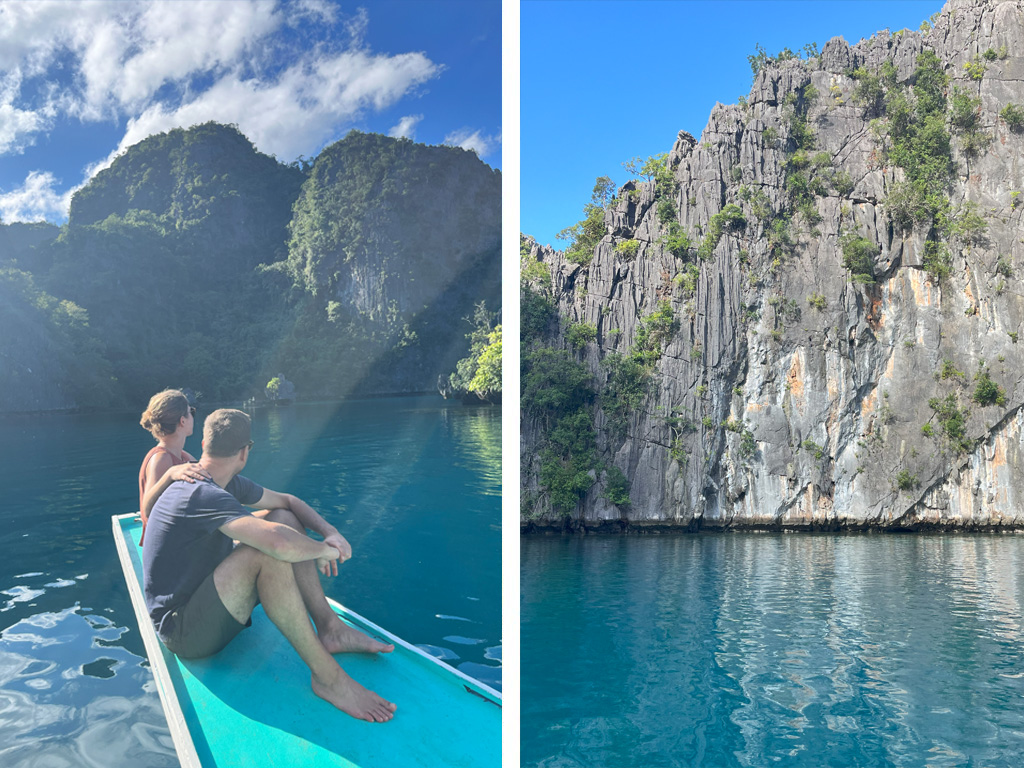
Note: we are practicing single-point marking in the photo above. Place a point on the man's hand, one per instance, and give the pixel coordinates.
(328, 565)
(341, 544)
(190, 473)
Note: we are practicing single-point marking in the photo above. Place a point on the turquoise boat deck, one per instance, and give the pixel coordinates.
(251, 704)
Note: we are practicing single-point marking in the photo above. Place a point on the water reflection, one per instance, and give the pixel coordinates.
(754, 649)
(70, 695)
(478, 433)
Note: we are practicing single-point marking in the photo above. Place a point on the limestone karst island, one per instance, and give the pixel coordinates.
(194, 259)
(807, 317)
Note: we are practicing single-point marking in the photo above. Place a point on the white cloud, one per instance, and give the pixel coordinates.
(126, 59)
(317, 10)
(17, 128)
(36, 200)
(30, 32)
(473, 141)
(302, 109)
(112, 57)
(124, 53)
(154, 65)
(357, 26)
(406, 127)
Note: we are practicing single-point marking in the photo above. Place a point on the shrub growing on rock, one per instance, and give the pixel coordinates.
(628, 248)
(677, 241)
(986, 391)
(584, 235)
(937, 262)
(729, 218)
(581, 334)
(616, 488)
(906, 481)
(859, 257)
(952, 421)
(1013, 116)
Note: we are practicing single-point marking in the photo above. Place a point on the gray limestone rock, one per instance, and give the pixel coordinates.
(828, 379)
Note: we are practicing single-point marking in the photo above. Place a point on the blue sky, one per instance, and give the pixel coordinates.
(81, 82)
(602, 82)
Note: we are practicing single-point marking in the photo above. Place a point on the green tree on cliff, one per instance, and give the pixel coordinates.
(585, 234)
(486, 382)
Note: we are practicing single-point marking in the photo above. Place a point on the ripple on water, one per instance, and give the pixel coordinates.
(61, 583)
(799, 650)
(100, 668)
(444, 654)
(490, 676)
(20, 594)
(63, 701)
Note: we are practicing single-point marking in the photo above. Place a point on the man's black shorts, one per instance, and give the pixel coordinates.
(203, 626)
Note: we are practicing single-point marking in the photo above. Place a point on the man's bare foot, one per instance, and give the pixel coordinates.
(352, 699)
(341, 638)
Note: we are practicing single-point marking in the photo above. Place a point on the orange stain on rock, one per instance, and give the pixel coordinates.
(998, 453)
(890, 368)
(875, 317)
(1000, 491)
(969, 294)
(867, 405)
(795, 377)
(922, 289)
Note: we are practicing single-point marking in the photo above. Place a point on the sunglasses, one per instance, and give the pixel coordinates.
(192, 410)
(250, 444)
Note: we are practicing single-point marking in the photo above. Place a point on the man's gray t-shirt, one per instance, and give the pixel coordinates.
(183, 544)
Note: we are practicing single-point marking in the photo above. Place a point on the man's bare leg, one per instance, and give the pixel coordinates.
(335, 634)
(247, 574)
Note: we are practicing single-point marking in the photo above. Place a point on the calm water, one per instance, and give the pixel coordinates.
(773, 649)
(413, 483)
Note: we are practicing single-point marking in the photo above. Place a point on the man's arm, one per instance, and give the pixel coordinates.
(306, 514)
(188, 472)
(308, 517)
(279, 541)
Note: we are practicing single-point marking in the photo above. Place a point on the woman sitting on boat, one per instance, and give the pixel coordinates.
(170, 419)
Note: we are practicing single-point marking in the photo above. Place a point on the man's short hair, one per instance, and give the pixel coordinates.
(226, 432)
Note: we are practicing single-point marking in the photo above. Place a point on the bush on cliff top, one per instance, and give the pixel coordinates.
(585, 234)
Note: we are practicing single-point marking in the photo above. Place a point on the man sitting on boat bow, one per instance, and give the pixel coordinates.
(201, 590)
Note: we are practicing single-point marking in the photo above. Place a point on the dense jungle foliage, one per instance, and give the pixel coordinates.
(196, 261)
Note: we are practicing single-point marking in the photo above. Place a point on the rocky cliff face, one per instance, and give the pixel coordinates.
(787, 390)
(387, 225)
(196, 261)
(395, 242)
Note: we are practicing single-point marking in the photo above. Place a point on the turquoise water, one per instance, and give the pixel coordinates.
(772, 649)
(413, 483)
